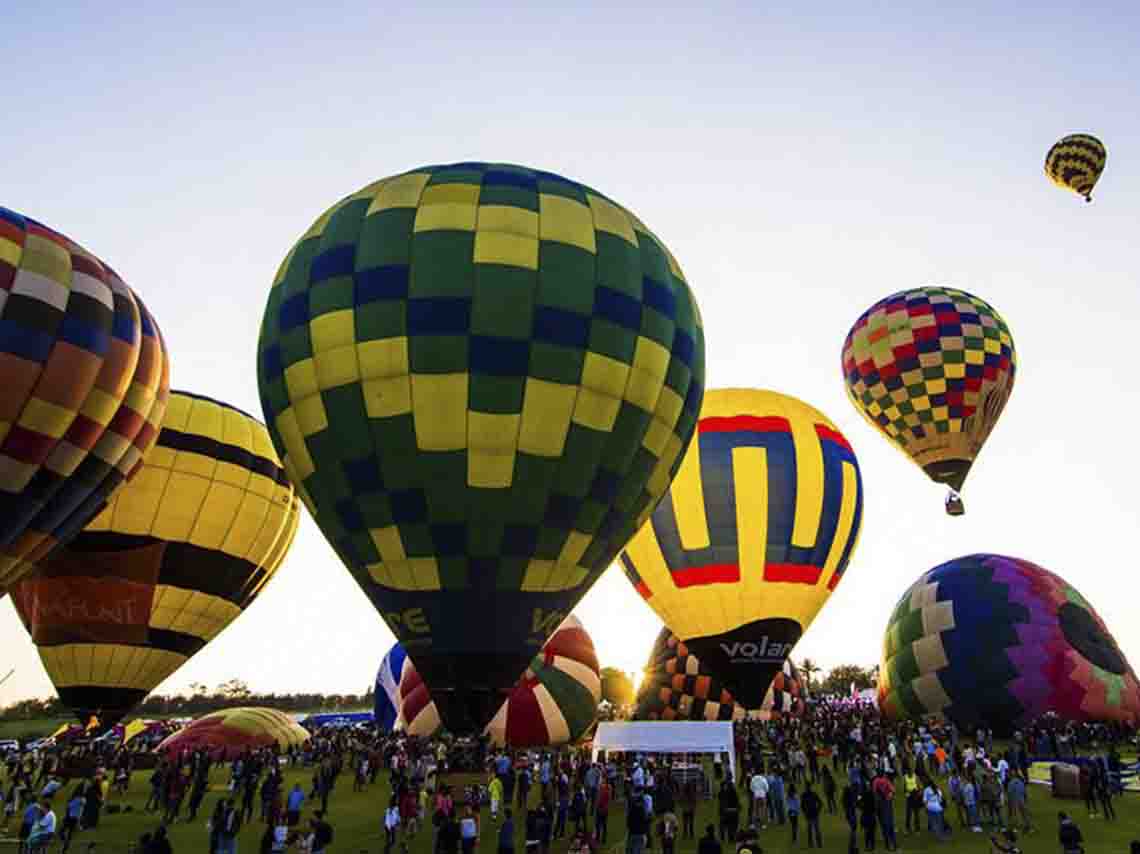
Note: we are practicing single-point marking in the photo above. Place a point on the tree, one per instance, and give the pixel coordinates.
(809, 668)
(617, 687)
(840, 679)
(234, 689)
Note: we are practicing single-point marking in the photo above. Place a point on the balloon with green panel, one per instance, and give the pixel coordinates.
(481, 379)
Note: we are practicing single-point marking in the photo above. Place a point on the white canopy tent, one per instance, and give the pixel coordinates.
(713, 737)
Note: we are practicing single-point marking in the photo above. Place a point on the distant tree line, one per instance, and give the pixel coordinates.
(200, 700)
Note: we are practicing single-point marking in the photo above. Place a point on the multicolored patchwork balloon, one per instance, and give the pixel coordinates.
(753, 536)
(675, 686)
(554, 702)
(482, 378)
(175, 557)
(84, 378)
(999, 641)
(231, 733)
(1075, 163)
(931, 369)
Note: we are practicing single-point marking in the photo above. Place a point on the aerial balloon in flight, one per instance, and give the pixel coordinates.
(174, 558)
(999, 641)
(753, 535)
(84, 378)
(675, 686)
(481, 379)
(554, 702)
(931, 369)
(231, 733)
(1075, 163)
(386, 706)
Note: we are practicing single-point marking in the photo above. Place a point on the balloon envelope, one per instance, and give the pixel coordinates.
(675, 686)
(931, 369)
(230, 733)
(753, 535)
(387, 692)
(555, 702)
(174, 558)
(85, 378)
(999, 641)
(481, 378)
(1075, 163)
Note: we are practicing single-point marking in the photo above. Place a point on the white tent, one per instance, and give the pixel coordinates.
(713, 737)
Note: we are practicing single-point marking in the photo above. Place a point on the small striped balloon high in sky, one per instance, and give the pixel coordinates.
(481, 378)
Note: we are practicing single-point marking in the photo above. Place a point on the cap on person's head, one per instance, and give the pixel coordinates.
(710, 830)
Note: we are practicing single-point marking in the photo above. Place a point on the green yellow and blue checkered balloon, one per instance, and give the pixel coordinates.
(481, 378)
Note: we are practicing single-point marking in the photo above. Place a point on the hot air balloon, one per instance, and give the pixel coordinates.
(554, 702)
(85, 378)
(231, 733)
(481, 378)
(932, 369)
(387, 693)
(174, 558)
(753, 535)
(999, 641)
(1075, 163)
(676, 687)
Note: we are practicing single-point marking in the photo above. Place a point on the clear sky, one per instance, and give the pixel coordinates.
(800, 166)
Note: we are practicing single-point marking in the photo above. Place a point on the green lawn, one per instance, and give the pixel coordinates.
(356, 820)
(32, 728)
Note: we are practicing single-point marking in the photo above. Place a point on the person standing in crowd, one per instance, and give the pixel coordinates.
(495, 793)
(507, 832)
(851, 814)
(728, 803)
(709, 843)
(812, 806)
(602, 810)
(793, 807)
(688, 808)
(469, 830)
(323, 833)
(1069, 835)
(43, 831)
(637, 823)
(72, 817)
(932, 798)
(829, 788)
(884, 792)
(391, 824)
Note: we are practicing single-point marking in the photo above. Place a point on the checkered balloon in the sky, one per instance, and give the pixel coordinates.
(481, 379)
(931, 369)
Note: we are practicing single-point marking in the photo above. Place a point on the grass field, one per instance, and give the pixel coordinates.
(356, 820)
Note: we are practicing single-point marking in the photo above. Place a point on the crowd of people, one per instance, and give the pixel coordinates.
(885, 780)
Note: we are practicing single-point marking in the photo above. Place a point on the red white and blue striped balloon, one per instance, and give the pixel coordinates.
(554, 702)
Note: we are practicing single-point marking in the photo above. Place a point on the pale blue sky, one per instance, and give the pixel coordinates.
(800, 166)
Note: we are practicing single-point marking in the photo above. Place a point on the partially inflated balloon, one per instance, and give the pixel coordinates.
(386, 708)
(481, 379)
(931, 369)
(753, 535)
(231, 733)
(999, 641)
(554, 702)
(83, 385)
(175, 557)
(676, 687)
(1075, 163)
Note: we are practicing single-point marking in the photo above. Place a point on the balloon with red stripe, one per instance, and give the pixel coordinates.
(757, 529)
(554, 702)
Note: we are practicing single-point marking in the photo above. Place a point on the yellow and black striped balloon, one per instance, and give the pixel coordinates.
(175, 557)
(1075, 163)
